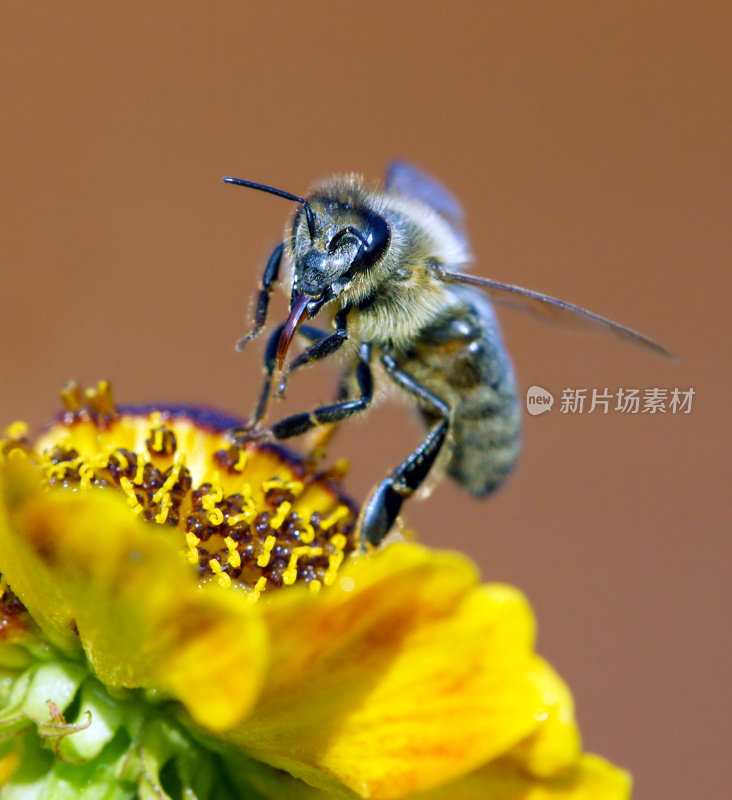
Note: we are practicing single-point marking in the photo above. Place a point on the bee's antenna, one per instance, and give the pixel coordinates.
(262, 187)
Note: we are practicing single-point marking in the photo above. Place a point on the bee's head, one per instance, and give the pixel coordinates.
(333, 242)
(332, 246)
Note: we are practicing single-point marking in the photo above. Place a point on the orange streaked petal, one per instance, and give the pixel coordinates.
(592, 778)
(404, 675)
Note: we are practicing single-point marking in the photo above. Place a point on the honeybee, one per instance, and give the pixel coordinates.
(379, 265)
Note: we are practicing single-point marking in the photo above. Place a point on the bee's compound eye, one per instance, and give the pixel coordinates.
(377, 239)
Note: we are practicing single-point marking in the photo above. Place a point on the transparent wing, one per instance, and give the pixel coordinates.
(552, 310)
(408, 181)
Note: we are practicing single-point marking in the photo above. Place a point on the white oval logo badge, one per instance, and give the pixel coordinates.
(538, 400)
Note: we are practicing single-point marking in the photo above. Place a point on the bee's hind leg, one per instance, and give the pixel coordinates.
(385, 503)
(383, 506)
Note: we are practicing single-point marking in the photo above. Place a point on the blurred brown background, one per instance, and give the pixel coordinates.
(588, 144)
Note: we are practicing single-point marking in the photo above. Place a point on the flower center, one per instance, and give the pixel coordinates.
(251, 514)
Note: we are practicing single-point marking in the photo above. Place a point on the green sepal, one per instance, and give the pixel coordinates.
(254, 780)
(56, 682)
(168, 756)
(42, 776)
(96, 723)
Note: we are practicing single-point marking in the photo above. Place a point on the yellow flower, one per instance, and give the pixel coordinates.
(186, 614)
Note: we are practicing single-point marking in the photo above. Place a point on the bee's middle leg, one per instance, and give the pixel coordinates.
(320, 437)
(383, 506)
(325, 415)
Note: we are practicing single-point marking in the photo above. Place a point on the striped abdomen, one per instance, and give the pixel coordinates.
(461, 358)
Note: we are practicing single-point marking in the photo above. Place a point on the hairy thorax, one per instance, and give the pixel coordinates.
(393, 314)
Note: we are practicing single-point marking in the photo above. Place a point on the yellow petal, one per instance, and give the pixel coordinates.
(555, 745)
(592, 778)
(26, 574)
(403, 675)
(124, 586)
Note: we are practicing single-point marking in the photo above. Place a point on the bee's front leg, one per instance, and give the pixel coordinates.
(269, 279)
(324, 346)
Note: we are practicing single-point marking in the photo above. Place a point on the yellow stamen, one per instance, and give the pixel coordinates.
(241, 461)
(72, 397)
(234, 557)
(100, 399)
(235, 519)
(289, 574)
(315, 586)
(216, 495)
(334, 559)
(157, 439)
(140, 472)
(129, 489)
(58, 471)
(249, 506)
(269, 543)
(161, 441)
(223, 579)
(86, 473)
(307, 534)
(283, 509)
(172, 479)
(192, 555)
(294, 487)
(216, 517)
(122, 461)
(208, 501)
(340, 513)
(259, 587)
(100, 461)
(166, 504)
